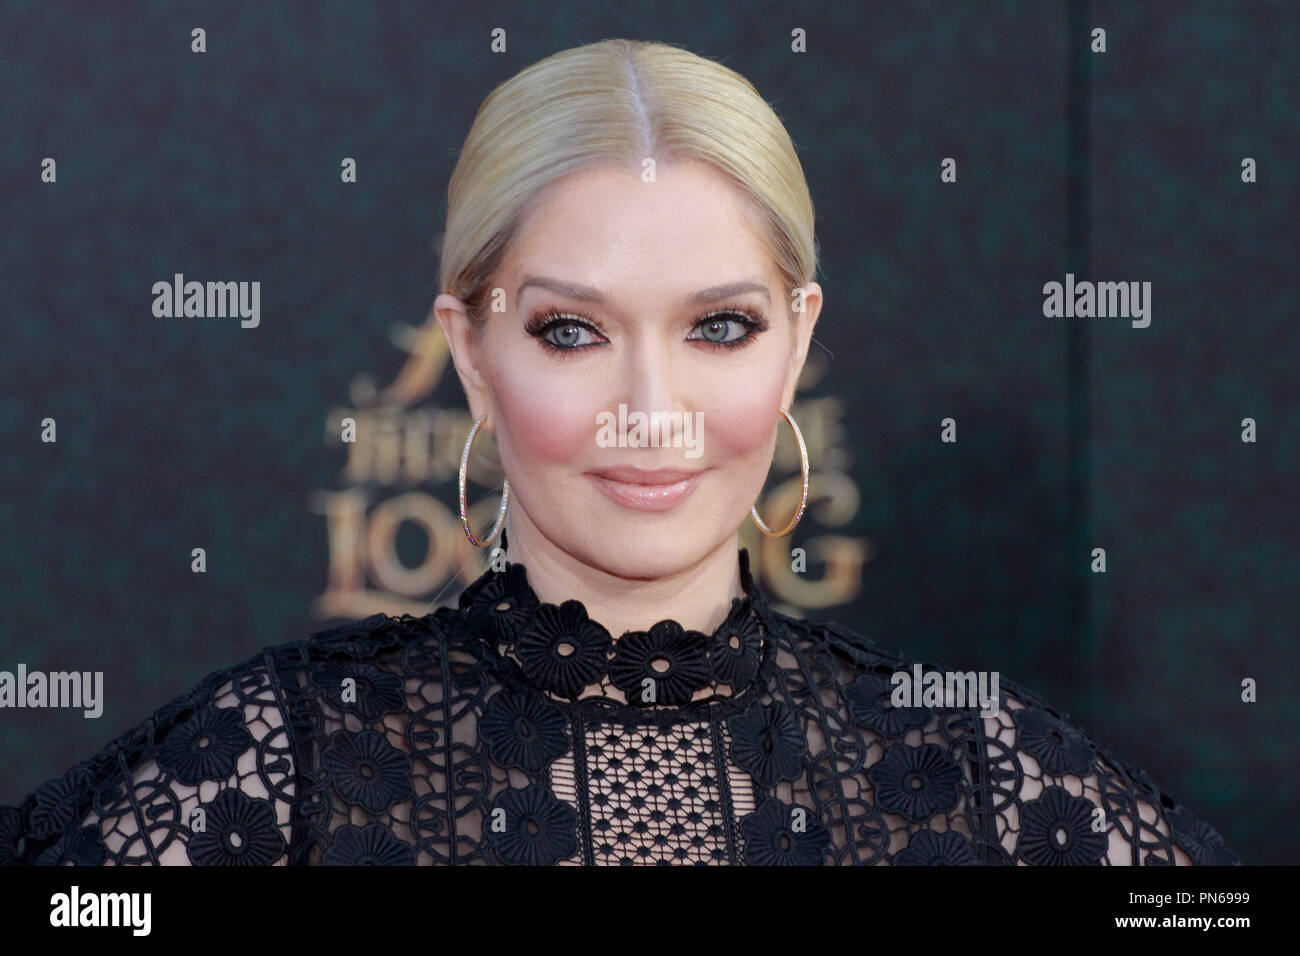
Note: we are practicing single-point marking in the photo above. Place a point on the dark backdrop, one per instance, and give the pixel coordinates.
(1073, 433)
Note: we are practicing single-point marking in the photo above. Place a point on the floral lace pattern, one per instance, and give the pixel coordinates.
(511, 731)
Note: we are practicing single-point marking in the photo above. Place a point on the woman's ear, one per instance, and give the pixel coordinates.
(804, 322)
(453, 317)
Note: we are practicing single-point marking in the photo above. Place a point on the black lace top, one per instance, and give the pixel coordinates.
(512, 731)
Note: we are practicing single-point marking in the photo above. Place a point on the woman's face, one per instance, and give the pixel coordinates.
(606, 290)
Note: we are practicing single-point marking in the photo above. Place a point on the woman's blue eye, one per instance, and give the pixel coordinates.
(568, 335)
(563, 334)
(717, 329)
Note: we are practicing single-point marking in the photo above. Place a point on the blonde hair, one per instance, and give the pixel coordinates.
(618, 101)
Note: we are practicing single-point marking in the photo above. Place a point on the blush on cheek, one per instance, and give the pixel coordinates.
(742, 423)
(548, 431)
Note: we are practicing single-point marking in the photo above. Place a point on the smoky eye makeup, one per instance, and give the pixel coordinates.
(566, 332)
(560, 331)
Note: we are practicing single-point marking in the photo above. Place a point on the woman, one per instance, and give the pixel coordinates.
(629, 233)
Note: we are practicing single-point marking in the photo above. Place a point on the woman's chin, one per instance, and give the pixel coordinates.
(646, 551)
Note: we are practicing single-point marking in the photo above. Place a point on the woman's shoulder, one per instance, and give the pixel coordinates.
(230, 747)
(1041, 774)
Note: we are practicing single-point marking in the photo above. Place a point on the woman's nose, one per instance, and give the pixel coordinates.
(649, 378)
(653, 383)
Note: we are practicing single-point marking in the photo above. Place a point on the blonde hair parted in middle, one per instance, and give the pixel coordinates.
(618, 101)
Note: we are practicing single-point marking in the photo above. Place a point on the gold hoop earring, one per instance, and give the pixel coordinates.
(803, 494)
(464, 508)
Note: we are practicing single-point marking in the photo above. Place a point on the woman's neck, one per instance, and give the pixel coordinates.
(697, 597)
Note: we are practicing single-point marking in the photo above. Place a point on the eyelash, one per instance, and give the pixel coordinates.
(543, 322)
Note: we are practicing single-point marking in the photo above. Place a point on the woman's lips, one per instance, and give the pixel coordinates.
(643, 489)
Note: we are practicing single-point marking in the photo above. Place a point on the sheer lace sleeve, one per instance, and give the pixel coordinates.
(1048, 778)
(957, 784)
(166, 791)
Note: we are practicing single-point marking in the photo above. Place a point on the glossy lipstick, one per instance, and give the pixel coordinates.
(645, 489)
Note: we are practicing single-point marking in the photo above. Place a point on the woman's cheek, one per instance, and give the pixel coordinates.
(742, 423)
(545, 425)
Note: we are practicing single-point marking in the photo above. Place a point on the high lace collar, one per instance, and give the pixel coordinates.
(561, 651)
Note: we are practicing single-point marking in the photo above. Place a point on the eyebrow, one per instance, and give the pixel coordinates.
(585, 293)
